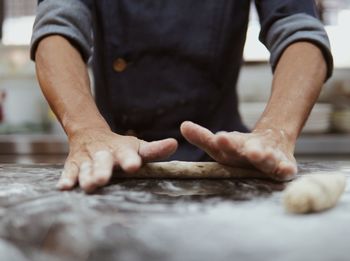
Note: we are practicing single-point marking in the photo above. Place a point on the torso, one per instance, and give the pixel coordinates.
(158, 63)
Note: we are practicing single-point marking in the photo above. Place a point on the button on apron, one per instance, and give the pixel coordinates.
(119, 65)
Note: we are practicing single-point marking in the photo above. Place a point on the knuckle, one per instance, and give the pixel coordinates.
(100, 181)
(76, 161)
(87, 187)
(102, 156)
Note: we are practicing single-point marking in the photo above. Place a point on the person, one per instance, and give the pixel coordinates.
(164, 79)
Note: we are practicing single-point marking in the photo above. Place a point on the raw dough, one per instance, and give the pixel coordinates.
(192, 170)
(314, 192)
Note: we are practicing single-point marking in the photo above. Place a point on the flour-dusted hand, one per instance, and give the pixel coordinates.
(297, 82)
(95, 152)
(269, 151)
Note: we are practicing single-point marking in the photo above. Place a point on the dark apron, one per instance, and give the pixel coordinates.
(159, 63)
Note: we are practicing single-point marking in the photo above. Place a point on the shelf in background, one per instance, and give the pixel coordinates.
(323, 144)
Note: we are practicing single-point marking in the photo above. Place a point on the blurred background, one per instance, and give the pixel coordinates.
(29, 132)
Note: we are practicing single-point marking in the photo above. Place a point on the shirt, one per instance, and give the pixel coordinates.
(157, 63)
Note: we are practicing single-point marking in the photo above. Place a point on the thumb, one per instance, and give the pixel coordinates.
(157, 150)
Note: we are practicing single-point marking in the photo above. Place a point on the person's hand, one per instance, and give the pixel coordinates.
(270, 151)
(95, 152)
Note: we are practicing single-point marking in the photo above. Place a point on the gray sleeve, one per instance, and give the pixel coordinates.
(68, 18)
(294, 28)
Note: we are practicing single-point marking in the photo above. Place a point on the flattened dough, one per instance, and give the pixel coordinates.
(192, 170)
(314, 192)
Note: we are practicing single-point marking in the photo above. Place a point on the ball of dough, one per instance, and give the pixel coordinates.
(314, 192)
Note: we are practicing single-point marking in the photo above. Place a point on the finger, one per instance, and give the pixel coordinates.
(198, 136)
(128, 159)
(85, 176)
(102, 167)
(229, 143)
(263, 158)
(69, 176)
(268, 162)
(287, 170)
(157, 150)
(253, 150)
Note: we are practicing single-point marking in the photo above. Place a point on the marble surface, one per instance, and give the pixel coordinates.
(165, 220)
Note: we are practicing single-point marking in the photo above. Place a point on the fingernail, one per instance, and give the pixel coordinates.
(64, 183)
(222, 132)
(131, 164)
(290, 166)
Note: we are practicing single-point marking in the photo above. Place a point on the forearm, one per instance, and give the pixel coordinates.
(297, 83)
(94, 148)
(64, 80)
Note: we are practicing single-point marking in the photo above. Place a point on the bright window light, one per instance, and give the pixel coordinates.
(17, 30)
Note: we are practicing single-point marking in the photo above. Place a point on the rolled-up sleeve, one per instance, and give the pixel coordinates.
(290, 21)
(68, 18)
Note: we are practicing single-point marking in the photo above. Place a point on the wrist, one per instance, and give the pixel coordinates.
(75, 126)
(288, 134)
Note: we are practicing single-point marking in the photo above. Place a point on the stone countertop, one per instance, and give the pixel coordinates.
(164, 220)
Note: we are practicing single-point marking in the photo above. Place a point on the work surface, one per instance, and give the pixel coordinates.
(164, 220)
